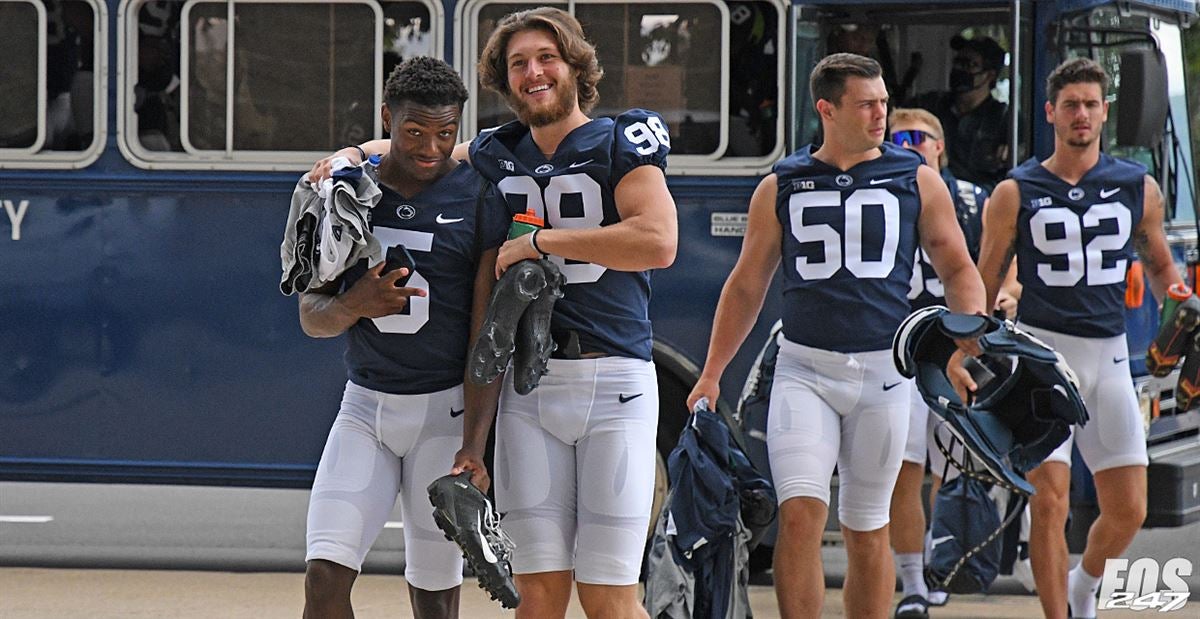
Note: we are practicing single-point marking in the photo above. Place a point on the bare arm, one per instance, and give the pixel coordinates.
(999, 244)
(1151, 242)
(326, 314)
(480, 400)
(943, 241)
(645, 238)
(744, 290)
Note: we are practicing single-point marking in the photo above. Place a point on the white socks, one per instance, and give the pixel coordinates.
(1081, 592)
(911, 567)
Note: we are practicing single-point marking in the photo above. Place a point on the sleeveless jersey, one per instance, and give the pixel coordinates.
(424, 348)
(926, 288)
(608, 309)
(1074, 245)
(848, 244)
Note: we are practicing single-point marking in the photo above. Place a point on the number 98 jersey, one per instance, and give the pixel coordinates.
(849, 239)
(574, 189)
(1073, 245)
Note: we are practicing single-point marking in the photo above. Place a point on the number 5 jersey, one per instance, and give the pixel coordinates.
(1073, 245)
(849, 238)
(608, 309)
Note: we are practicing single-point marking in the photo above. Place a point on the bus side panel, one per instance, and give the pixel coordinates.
(685, 296)
(147, 326)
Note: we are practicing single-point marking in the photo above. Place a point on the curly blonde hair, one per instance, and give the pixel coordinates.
(576, 50)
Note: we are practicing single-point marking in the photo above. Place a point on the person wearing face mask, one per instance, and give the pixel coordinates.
(975, 122)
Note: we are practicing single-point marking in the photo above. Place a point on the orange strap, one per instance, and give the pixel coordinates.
(1135, 285)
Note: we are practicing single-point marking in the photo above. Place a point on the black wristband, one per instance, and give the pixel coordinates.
(533, 242)
(362, 154)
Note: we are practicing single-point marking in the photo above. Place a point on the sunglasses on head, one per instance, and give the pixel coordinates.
(913, 137)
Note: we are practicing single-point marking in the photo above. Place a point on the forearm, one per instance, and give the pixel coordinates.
(480, 403)
(737, 312)
(629, 245)
(965, 292)
(323, 315)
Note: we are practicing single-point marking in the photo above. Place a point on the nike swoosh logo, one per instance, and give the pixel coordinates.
(488, 555)
(580, 163)
(1104, 193)
(623, 398)
(447, 220)
(887, 387)
(1119, 359)
(458, 413)
(937, 540)
(879, 181)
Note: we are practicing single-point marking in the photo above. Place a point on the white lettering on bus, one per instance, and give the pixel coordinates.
(15, 216)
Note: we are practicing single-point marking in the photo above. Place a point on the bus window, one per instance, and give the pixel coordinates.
(1104, 34)
(51, 111)
(220, 84)
(720, 101)
(917, 49)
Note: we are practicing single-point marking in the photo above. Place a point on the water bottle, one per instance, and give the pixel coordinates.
(525, 223)
(1180, 317)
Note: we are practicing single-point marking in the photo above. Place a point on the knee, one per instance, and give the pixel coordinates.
(866, 542)
(1127, 514)
(801, 517)
(1049, 507)
(324, 580)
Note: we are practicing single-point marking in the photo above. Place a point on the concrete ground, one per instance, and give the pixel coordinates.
(44, 593)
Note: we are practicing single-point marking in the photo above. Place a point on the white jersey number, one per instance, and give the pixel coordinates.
(418, 307)
(647, 137)
(852, 255)
(1080, 259)
(549, 205)
(919, 283)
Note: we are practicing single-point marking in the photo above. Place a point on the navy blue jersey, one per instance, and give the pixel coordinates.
(608, 309)
(925, 287)
(848, 244)
(424, 348)
(1074, 245)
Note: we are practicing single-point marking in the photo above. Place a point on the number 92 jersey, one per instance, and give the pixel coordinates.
(574, 189)
(1073, 245)
(849, 239)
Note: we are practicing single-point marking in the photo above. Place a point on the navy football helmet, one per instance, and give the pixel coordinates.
(1017, 418)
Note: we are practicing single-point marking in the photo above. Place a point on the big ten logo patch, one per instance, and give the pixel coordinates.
(1143, 585)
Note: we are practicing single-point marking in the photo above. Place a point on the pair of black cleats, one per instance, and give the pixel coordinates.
(466, 516)
(517, 326)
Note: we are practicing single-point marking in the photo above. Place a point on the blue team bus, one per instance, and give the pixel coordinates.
(148, 149)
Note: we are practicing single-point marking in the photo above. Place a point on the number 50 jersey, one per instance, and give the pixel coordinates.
(849, 239)
(1073, 245)
(574, 189)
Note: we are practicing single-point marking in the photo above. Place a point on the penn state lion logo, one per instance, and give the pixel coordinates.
(406, 211)
(844, 180)
(1075, 193)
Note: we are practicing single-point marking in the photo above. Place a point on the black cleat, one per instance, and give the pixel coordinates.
(533, 341)
(465, 515)
(517, 288)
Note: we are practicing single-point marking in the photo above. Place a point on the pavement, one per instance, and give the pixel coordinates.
(41, 593)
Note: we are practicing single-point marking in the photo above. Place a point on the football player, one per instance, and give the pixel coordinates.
(1073, 222)
(575, 458)
(401, 419)
(920, 131)
(845, 218)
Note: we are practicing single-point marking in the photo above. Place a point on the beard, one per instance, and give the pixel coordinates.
(558, 108)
